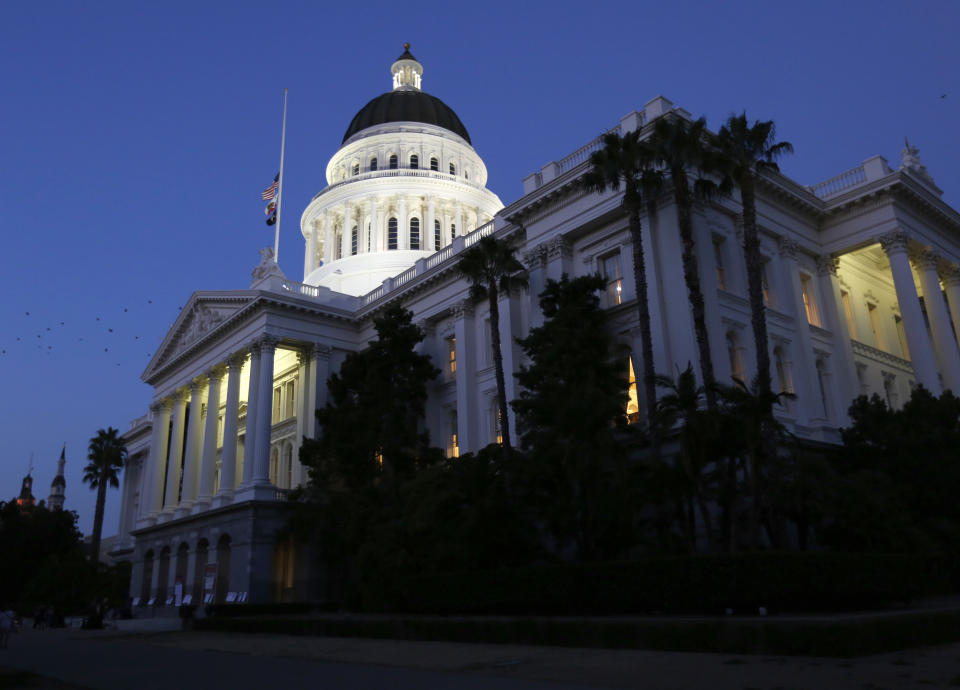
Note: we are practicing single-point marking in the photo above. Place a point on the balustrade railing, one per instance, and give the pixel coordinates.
(880, 356)
(840, 183)
(300, 288)
(398, 172)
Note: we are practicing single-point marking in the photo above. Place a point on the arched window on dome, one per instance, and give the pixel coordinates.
(354, 241)
(414, 162)
(373, 163)
(414, 233)
(369, 236)
(453, 231)
(356, 169)
(466, 174)
(453, 169)
(392, 164)
(434, 164)
(436, 234)
(392, 233)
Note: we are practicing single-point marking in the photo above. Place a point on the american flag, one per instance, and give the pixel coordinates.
(271, 191)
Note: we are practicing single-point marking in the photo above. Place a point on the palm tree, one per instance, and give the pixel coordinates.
(107, 455)
(745, 151)
(625, 160)
(492, 270)
(678, 145)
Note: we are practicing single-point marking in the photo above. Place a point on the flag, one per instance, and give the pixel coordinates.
(271, 191)
(271, 211)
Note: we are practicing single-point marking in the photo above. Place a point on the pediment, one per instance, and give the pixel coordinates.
(202, 315)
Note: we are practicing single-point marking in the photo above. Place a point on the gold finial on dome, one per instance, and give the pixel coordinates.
(406, 46)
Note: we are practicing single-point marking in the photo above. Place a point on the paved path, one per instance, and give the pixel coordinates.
(218, 660)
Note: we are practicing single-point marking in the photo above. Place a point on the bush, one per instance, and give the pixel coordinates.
(779, 581)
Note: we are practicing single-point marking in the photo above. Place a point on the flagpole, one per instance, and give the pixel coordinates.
(283, 141)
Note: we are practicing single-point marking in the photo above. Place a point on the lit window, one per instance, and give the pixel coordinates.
(373, 163)
(392, 161)
(453, 169)
(902, 335)
(414, 161)
(875, 326)
(291, 399)
(414, 233)
(453, 446)
(721, 272)
(356, 169)
(633, 403)
(765, 282)
(392, 233)
(452, 355)
(848, 313)
(434, 164)
(809, 303)
(495, 418)
(436, 234)
(354, 239)
(610, 269)
(276, 405)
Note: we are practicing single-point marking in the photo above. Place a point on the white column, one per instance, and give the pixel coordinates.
(209, 456)
(374, 234)
(261, 459)
(836, 321)
(431, 221)
(327, 238)
(465, 334)
(231, 414)
(310, 258)
(153, 481)
(459, 215)
(175, 454)
(347, 234)
(951, 283)
(944, 344)
(535, 261)
(403, 225)
(253, 403)
(921, 350)
(191, 462)
(803, 356)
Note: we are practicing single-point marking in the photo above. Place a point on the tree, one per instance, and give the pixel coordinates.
(492, 270)
(625, 160)
(746, 151)
(107, 454)
(572, 403)
(679, 146)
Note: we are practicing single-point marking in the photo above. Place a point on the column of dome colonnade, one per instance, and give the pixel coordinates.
(896, 245)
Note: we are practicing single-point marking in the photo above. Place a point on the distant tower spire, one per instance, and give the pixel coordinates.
(407, 72)
(59, 484)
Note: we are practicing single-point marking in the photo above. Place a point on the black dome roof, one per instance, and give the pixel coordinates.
(406, 106)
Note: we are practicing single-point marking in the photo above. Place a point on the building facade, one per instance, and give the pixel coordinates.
(861, 282)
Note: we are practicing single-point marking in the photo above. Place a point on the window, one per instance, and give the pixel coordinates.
(392, 161)
(414, 233)
(466, 174)
(848, 313)
(354, 240)
(890, 391)
(783, 377)
(453, 169)
(495, 426)
(733, 352)
(436, 234)
(338, 245)
(291, 398)
(822, 382)
(356, 169)
(274, 465)
(809, 303)
(610, 270)
(369, 236)
(453, 446)
(414, 161)
(373, 163)
(875, 326)
(288, 466)
(276, 405)
(902, 336)
(434, 164)
(633, 403)
(392, 233)
(765, 282)
(453, 231)
(721, 272)
(452, 355)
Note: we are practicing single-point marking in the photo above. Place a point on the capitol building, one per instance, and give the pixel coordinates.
(861, 282)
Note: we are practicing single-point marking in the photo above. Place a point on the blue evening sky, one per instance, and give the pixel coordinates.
(137, 137)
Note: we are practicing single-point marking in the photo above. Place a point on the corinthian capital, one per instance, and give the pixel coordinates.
(951, 276)
(788, 248)
(462, 310)
(894, 242)
(926, 259)
(827, 264)
(559, 247)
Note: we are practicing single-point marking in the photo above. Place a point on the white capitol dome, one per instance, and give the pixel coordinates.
(405, 182)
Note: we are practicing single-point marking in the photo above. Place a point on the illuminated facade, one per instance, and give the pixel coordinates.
(861, 281)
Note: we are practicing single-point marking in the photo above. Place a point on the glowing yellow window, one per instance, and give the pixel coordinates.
(452, 355)
(809, 303)
(610, 269)
(633, 404)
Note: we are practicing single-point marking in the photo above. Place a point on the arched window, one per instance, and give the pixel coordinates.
(198, 570)
(274, 461)
(414, 162)
(453, 231)
(180, 574)
(733, 352)
(369, 235)
(434, 164)
(223, 568)
(392, 233)
(354, 241)
(436, 234)
(373, 163)
(147, 582)
(356, 169)
(414, 233)
(163, 576)
(288, 466)
(466, 174)
(392, 161)
(453, 169)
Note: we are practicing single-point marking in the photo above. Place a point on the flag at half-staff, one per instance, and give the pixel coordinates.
(270, 196)
(271, 211)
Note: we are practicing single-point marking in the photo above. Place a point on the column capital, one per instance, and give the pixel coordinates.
(322, 351)
(827, 264)
(198, 384)
(216, 372)
(925, 258)
(268, 342)
(559, 247)
(951, 275)
(462, 310)
(535, 258)
(894, 242)
(236, 360)
(165, 404)
(182, 395)
(787, 248)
